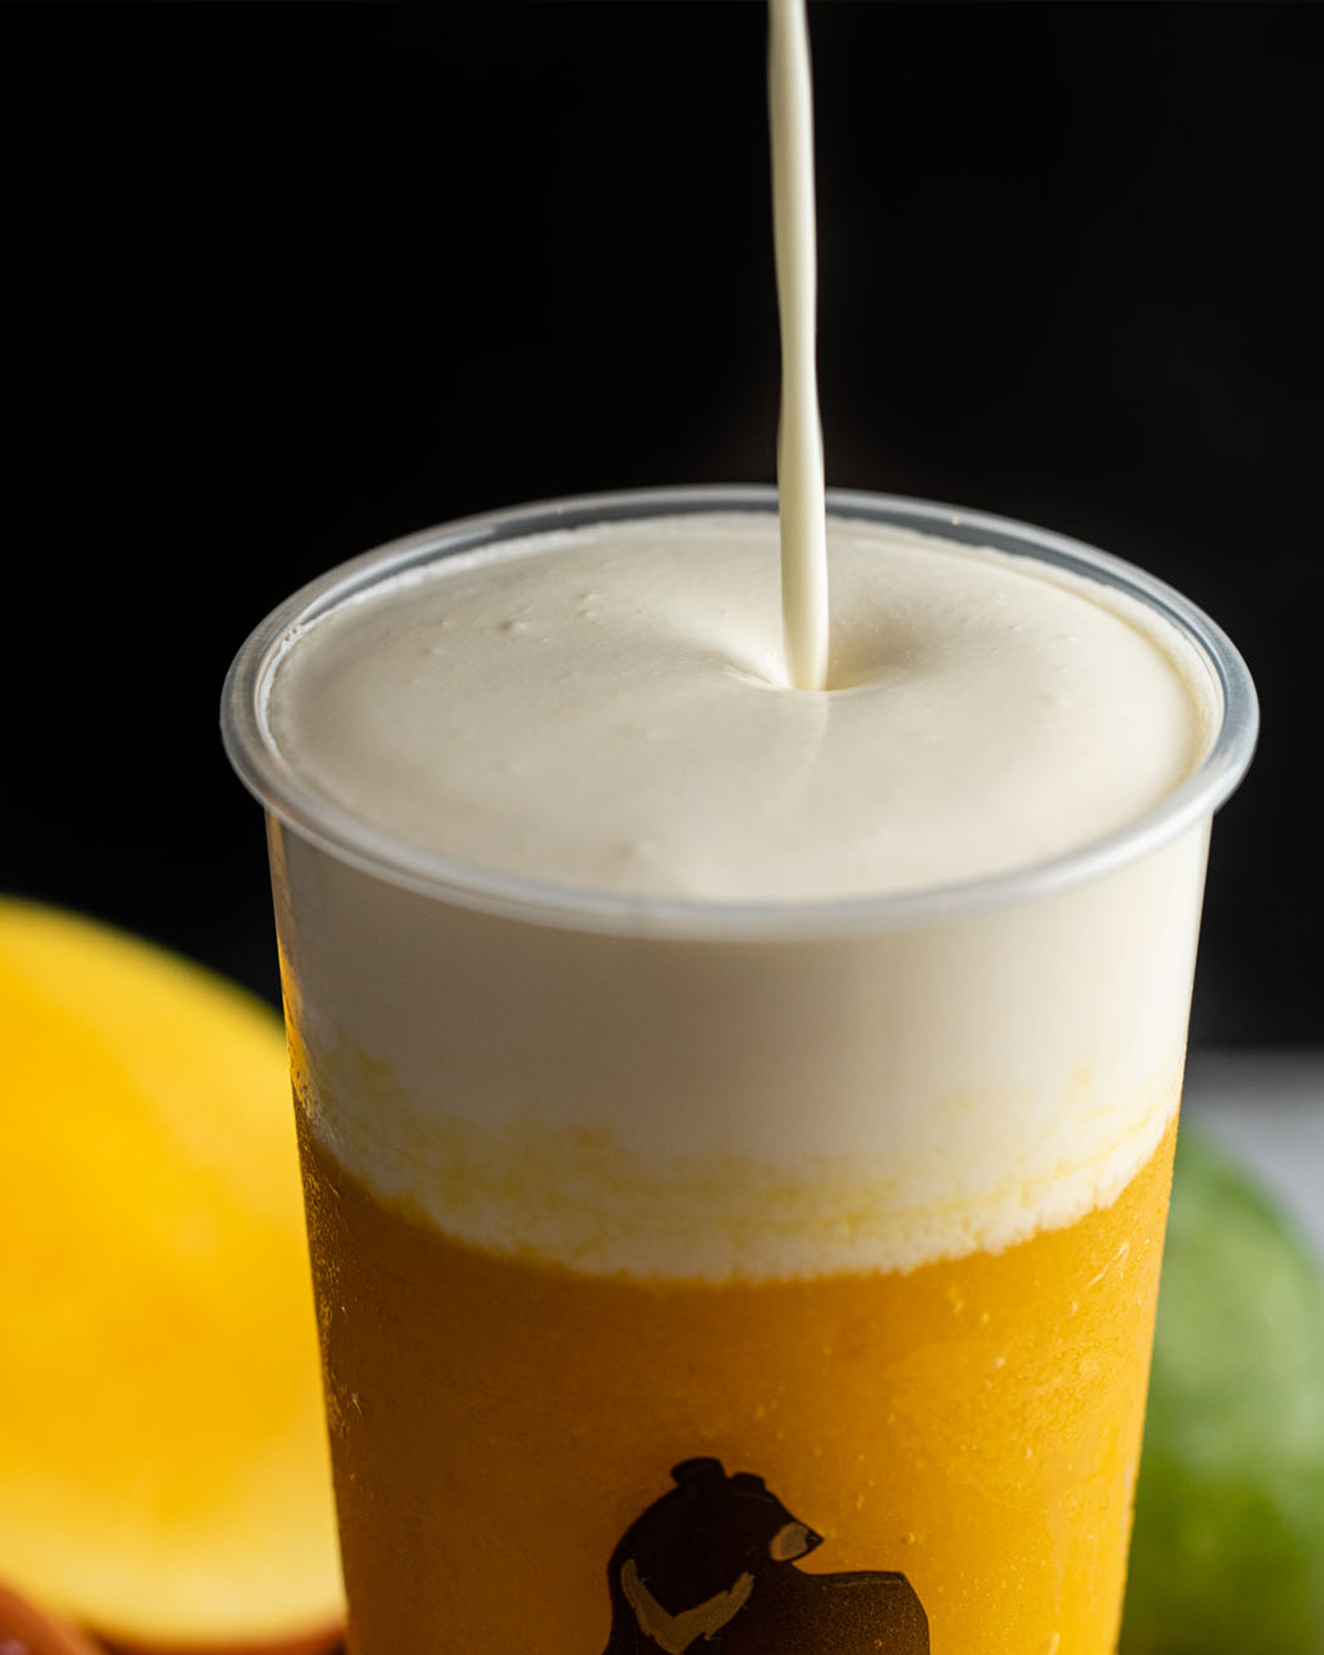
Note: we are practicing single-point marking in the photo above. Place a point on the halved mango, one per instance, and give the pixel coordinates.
(163, 1464)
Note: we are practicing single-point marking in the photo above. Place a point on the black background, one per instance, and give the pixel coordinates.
(284, 281)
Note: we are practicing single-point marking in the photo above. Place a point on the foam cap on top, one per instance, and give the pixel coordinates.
(609, 710)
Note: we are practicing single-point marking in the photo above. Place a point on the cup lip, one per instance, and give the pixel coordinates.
(277, 786)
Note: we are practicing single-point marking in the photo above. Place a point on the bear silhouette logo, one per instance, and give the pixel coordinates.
(710, 1568)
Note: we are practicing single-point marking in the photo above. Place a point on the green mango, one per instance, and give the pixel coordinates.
(1228, 1548)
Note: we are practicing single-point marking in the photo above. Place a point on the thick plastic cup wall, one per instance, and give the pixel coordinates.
(883, 1104)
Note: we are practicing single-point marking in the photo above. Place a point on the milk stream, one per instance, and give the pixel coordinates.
(800, 436)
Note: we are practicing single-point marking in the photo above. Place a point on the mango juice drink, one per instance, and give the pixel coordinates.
(737, 1121)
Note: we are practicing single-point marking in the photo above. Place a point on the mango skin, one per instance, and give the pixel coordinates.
(1228, 1548)
(25, 1626)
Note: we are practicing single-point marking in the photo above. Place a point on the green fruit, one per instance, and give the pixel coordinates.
(1228, 1549)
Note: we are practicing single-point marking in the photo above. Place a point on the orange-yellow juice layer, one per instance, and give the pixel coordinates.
(499, 1423)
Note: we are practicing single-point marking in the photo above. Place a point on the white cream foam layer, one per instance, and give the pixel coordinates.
(698, 1110)
(604, 709)
(607, 709)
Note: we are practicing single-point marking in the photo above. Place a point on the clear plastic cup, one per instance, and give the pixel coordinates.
(772, 1276)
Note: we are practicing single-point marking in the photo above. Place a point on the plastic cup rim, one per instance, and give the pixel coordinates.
(275, 783)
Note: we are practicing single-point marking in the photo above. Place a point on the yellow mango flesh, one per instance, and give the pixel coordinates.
(163, 1465)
